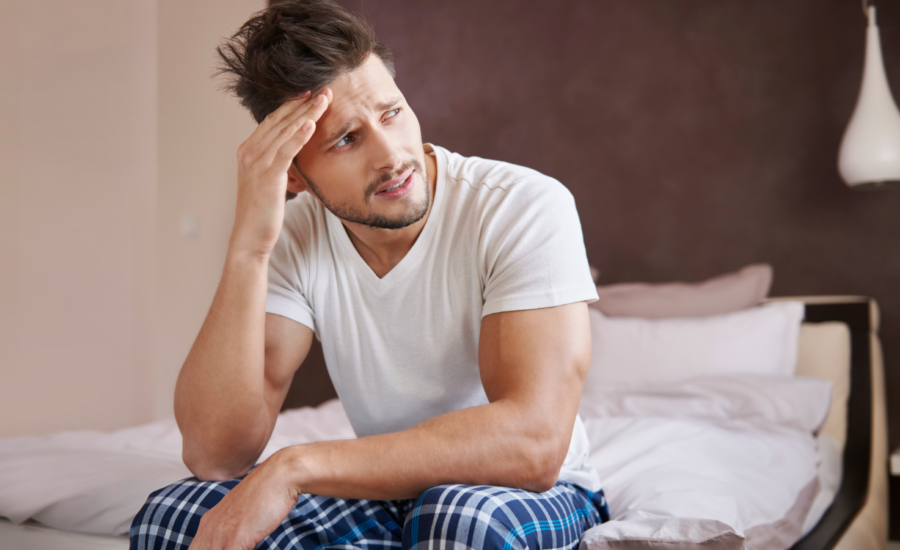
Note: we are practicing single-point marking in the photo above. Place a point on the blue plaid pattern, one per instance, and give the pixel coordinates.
(446, 517)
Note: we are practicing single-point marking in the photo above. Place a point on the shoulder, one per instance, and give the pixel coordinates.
(304, 225)
(498, 186)
(302, 214)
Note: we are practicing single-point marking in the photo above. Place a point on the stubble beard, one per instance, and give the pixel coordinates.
(414, 212)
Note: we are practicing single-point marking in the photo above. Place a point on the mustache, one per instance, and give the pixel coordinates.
(381, 180)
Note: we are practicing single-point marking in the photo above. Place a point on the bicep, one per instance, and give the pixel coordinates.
(537, 358)
(287, 344)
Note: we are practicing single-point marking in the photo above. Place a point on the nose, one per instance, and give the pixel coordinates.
(388, 151)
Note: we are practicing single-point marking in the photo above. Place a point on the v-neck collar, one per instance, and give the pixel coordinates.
(338, 233)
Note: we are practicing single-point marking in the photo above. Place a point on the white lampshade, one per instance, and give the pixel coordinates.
(870, 151)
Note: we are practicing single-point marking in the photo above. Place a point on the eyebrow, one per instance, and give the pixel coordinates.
(380, 106)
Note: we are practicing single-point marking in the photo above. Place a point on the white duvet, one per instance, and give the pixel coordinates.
(715, 456)
(722, 458)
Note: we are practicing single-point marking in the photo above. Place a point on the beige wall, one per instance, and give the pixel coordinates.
(111, 131)
(200, 129)
(79, 215)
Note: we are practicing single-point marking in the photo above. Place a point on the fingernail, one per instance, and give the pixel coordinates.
(307, 125)
(320, 100)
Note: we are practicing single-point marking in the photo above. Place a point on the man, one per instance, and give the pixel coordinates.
(449, 295)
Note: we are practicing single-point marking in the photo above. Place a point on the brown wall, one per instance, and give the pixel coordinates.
(697, 136)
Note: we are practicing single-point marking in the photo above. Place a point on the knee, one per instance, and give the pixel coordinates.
(445, 500)
(170, 516)
(495, 518)
(437, 495)
(464, 516)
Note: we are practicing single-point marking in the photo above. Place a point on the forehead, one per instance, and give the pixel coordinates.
(357, 93)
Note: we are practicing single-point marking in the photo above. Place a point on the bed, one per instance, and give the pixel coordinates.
(847, 510)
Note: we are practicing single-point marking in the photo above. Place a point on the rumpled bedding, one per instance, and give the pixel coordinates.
(729, 459)
(95, 482)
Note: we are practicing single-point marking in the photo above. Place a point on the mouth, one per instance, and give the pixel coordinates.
(397, 187)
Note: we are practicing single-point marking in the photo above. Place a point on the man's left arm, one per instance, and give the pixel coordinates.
(533, 364)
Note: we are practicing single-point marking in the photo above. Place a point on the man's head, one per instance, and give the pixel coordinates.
(366, 139)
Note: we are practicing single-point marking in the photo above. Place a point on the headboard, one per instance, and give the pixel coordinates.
(857, 313)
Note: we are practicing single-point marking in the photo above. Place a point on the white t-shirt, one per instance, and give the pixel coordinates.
(404, 348)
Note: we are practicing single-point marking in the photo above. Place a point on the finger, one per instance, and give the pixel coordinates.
(311, 105)
(262, 135)
(294, 136)
(313, 109)
(285, 109)
(282, 130)
(285, 153)
(255, 146)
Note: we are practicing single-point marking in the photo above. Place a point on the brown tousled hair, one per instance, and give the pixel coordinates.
(293, 47)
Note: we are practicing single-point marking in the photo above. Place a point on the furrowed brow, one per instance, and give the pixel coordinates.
(337, 134)
(388, 103)
(380, 106)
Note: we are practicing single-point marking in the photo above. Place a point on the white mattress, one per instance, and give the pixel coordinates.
(634, 429)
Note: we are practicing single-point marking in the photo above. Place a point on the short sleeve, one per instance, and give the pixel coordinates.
(532, 249)
(287, 264)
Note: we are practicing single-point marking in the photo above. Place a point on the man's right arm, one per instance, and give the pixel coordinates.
(235, 378)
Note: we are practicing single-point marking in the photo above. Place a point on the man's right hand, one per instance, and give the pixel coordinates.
(263, 162)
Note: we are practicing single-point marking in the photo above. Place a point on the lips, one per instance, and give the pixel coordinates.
(395, 183)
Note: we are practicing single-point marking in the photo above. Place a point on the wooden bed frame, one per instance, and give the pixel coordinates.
(851, 496)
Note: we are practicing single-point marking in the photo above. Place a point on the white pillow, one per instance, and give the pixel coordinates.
(759, 340)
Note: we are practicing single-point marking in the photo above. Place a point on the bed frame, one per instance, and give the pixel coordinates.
(851, 496)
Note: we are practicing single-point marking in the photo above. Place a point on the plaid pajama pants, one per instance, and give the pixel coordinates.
(448, 517)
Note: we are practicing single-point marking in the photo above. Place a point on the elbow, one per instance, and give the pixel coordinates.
(546, 445)
(547, 470)
(216, 455)
(534, 461)
(542, 470)
(207, 467)
(206, 471)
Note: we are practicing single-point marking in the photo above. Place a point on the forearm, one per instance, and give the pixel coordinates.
(501, 443)
(219, 398)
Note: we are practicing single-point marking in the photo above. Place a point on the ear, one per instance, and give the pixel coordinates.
(296, 182)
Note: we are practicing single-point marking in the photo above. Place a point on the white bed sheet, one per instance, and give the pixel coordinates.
(32, 536)
(621, 443)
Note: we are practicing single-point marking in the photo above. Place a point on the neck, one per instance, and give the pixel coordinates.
(382, 249)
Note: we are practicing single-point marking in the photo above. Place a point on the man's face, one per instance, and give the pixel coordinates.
(365, 161)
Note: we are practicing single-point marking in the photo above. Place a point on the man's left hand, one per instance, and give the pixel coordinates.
(250, 511)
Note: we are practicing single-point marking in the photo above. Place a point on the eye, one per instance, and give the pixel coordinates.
(341, 141)
(349, 138)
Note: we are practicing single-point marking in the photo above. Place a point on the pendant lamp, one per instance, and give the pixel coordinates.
(870, 150)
